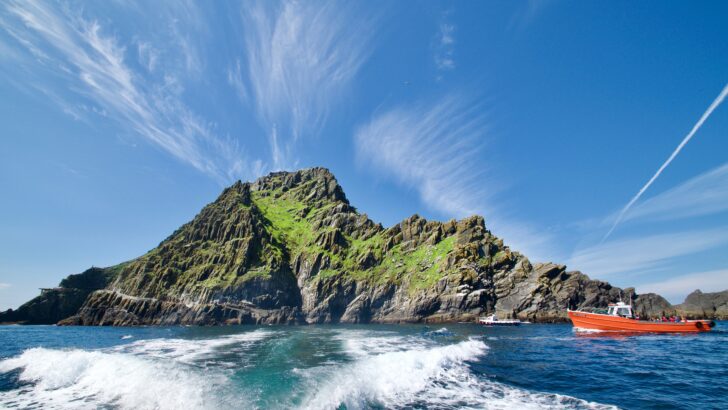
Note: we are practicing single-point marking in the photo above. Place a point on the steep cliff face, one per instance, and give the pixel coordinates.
(61, 302)
(289, 248)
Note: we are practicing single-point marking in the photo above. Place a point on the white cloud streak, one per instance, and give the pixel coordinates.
(675, 289)
(672, 156)
(301, 56)
(235, 80)
(644, 253)
(444, 48)
(147, 55)
(705, 194)
(4, 286)
(438, 149)
(433, 148)
(95, 68)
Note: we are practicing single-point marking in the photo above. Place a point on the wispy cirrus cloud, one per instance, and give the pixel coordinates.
(444, 48)
(718, 101)
(4, 286)
(436, 148)
(235, 79)
(433, 148)
(148, 55)
(526, 14)
(644, 252)
(675, 288)
(704, 194)
(92, 64)
(301, 56)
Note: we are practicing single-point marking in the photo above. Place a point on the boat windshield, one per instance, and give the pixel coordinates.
(624, 312)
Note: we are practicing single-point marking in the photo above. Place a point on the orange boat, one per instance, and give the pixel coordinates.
(619, 318)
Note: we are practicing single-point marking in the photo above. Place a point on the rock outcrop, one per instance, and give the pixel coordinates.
(61, 302)
(649, 305)
(290, 248)
(705, 305)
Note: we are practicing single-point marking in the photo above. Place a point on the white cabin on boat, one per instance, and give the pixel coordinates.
(620, 309)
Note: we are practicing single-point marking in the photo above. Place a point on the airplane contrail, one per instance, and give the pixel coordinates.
(685, 140)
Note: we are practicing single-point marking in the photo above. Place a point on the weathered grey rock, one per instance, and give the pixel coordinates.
(705, 305)
(648, 305)
(61, 302)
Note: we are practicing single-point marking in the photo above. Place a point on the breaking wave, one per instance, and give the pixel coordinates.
(91, 379)
(145, 374)
(400, 372)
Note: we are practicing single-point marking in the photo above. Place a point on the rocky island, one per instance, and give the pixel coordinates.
(290, 248)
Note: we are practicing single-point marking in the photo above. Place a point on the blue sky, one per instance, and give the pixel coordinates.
(120, 120)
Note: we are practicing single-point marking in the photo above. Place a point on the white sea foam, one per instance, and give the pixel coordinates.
(586, 330)
(192, 350)
(365, 345)
(400, 372)
(91, 379)
(383, 369)
(152, 373)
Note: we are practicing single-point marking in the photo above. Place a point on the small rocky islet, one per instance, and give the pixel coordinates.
(289, 248)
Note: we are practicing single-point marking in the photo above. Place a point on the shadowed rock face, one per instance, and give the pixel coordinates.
(289, 248)
(649, 305)
(710, 305)
(61, 302)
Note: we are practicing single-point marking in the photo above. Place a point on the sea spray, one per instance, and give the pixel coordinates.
(394, 379)
(399, 372)
(93, 379)
(192, 350)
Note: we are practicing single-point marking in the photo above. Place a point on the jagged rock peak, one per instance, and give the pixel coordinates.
(318, 184)
(236, 194)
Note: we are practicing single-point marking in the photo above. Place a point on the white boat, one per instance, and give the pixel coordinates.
(492, 320)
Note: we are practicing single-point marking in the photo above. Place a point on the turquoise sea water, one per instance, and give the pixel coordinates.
(352, 367)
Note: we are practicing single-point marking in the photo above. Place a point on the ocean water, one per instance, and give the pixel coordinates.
(359, 367)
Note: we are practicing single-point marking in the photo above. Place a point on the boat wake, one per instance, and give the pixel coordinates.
(91, 379)
(402, 372)
(193, 351)
(255, 369)
(146, 374)
(585, 330)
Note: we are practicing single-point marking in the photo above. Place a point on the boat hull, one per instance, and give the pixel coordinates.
(609, 323)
